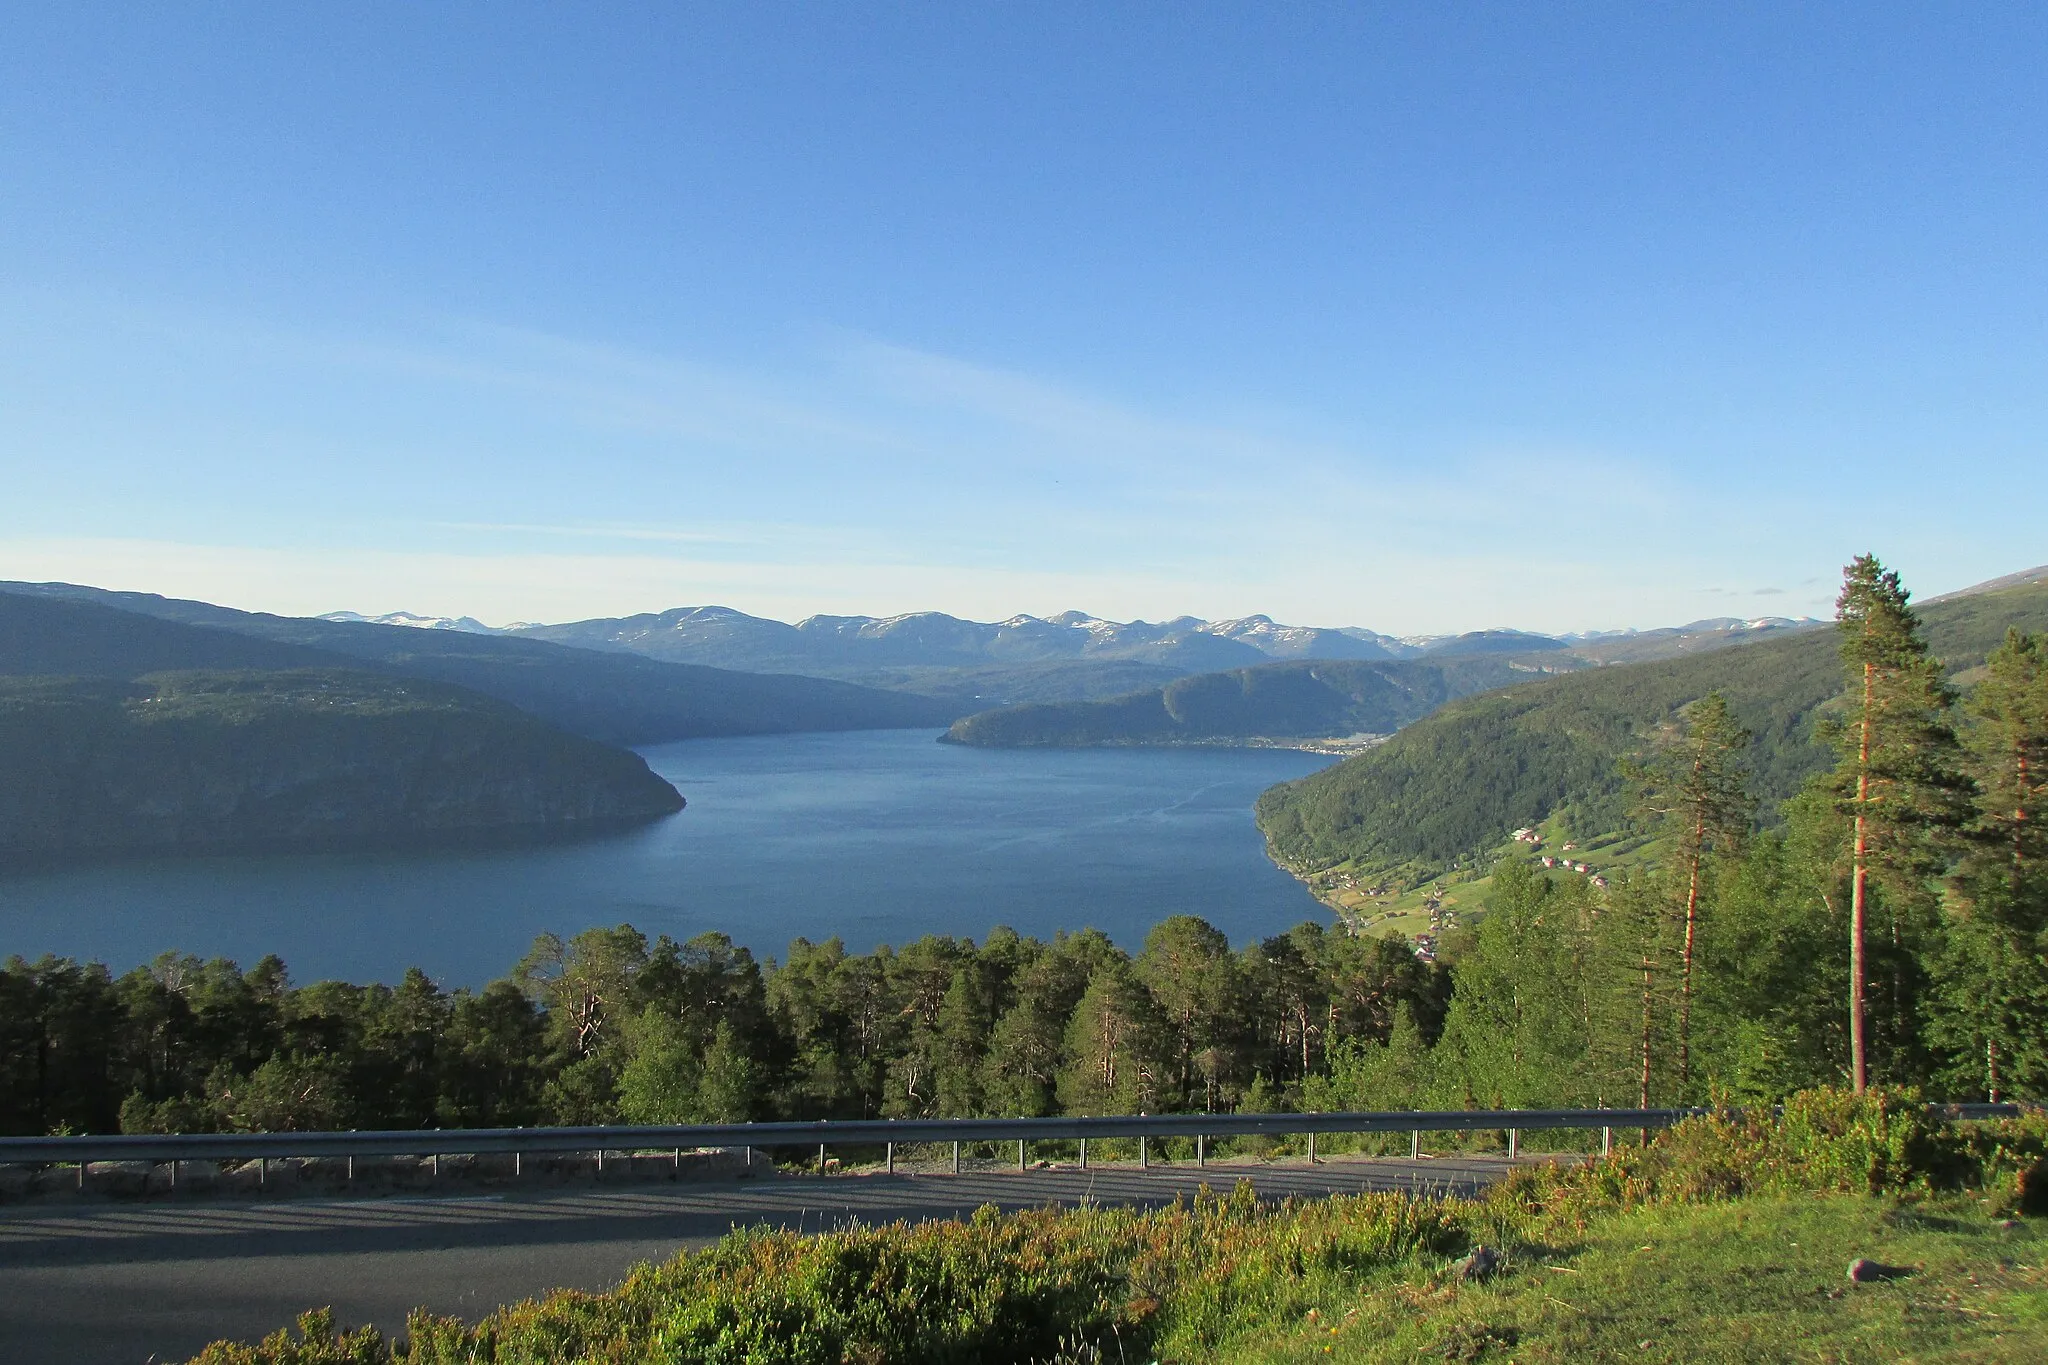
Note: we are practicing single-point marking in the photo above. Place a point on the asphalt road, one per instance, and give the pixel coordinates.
(136, 1282)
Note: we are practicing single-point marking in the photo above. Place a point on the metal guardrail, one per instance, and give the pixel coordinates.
(886, 1133)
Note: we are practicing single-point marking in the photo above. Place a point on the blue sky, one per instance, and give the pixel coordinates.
(1416, 317)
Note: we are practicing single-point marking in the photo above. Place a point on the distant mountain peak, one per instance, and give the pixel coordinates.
(469, 625)
(2011, 580)
(1499, 640)
(708, 613)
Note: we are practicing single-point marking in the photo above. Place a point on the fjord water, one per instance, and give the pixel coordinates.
(875, 837)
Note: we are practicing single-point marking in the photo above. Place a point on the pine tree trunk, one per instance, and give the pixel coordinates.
(1858, 1064)
(43, 1073)
(2019, 814)
(1643, 1090)
(1692, 909)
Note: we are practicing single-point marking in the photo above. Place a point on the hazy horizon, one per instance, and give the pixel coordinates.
(1047, 616)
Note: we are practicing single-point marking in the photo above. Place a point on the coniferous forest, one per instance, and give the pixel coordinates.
(1885, 924)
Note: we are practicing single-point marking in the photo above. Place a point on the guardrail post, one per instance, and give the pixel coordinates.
(262, 1171)
(81, 1175)
(821, 1158)
(1144, 1154)
(1311, 1149)
(1607, 1142)
(1514, 1143)
(1084, 1155)
(1020, 1154)
(675, 1161)
(1201, 1149)
(600, 1162)
(1415, 1144)
(889, 1149)
(956, 1158)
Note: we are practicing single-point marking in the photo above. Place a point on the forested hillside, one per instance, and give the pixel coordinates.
(1310, 699)
(970, 690)
(66, 637)
(614, 697)
(208, 761)
(1456, 783)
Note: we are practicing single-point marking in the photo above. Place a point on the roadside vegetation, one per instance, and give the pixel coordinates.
(1725, 1238)
(1759, 1280)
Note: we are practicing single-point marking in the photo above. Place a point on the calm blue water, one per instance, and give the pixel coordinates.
(875, 837)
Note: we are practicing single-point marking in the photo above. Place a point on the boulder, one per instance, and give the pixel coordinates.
(1477, 1267)
(1863, 1270)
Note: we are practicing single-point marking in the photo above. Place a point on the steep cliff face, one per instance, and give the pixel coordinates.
(191, 762)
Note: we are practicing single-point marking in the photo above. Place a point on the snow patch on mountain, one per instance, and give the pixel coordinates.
(468, 625)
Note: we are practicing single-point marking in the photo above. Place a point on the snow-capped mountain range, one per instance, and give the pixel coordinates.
(467, 624)
(734, 639)
(846, 645)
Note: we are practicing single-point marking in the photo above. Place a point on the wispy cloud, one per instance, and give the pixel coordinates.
(601, 531)
(513, 472)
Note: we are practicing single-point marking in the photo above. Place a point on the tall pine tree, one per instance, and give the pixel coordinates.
(1694, 787)
(1897, 778)
(2009, 752)
(1995, 997)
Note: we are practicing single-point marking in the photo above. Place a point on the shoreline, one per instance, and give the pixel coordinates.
(1344, 747)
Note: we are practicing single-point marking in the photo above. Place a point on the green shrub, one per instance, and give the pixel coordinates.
(317, 1343)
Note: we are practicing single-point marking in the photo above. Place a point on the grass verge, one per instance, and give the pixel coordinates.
(1761, 1279)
